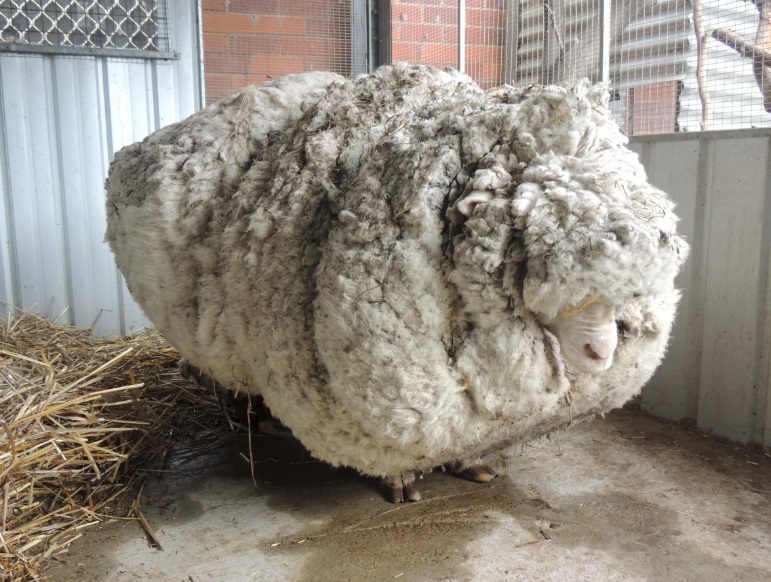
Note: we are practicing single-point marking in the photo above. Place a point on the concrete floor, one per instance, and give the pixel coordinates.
(629, 498)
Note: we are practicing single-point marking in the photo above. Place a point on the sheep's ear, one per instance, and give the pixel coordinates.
(467, 206)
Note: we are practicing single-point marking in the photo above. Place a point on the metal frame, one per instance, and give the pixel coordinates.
(759, 132)
(77, 51)
(512, 41)
(199, 33)
(370, 35)
(605, 26)
(462, 36)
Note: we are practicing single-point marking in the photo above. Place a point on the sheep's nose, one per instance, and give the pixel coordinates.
(591, 354)
(600, 350)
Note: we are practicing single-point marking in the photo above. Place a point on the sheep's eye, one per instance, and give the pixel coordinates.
(622, 327)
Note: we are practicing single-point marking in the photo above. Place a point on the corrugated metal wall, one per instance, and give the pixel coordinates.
(61, 120)
(718, 368)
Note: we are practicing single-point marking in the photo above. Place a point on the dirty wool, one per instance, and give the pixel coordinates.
(380, 258)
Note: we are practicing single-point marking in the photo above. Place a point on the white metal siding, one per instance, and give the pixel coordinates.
(62, 118)
(717, 367)
(653, 46)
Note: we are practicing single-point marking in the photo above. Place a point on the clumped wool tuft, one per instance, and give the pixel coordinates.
(378, 258)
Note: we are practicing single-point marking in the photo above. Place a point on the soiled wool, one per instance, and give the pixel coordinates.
(377, 257)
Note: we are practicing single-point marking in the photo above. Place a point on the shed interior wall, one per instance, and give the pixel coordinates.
(717, 370)
(62, 118)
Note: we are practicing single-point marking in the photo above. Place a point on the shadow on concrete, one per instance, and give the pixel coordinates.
(341, 528)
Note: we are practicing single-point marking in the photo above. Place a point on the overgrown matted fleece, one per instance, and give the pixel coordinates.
(82, 421)
(377, 257)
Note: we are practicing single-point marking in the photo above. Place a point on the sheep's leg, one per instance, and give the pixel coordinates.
(472, 470)
(189, 372)
(400, 488)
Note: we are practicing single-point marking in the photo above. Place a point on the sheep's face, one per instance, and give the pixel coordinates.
(587, 335)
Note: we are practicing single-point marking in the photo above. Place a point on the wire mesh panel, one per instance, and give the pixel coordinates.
(728, 80)
(674, 65)
(427, 32)
(251, 41)
(557, 40)
(485, 36)
(649, 54)
(113, 24)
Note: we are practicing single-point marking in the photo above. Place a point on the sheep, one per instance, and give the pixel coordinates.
(410, 271)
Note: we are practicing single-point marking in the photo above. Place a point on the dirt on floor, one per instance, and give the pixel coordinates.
(628, 498)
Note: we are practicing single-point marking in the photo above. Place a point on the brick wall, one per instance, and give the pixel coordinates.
(652, 108)
(426, 31)
(251, 41)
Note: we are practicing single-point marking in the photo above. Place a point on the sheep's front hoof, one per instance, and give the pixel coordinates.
(474, 470)
(401, 488)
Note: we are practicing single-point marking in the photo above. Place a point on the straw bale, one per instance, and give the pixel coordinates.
(83, 422)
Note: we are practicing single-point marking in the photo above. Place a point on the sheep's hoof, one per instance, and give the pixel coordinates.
(401, 488)
(474, 470)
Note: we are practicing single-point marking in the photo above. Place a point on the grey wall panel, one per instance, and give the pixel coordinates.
(717, 367)
(92, 272)
(33, 170)
(732, 305)
(62, 118)
(9, 292)
(682, 365)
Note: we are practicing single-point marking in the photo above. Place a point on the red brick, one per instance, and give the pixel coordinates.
(280, 25)
(425, 2)
(489, 4)
(217, 87)
(492, 72)
(483, 54)
(253, 44)
(226, 62)
(215, 43)
(439, 55)
(325, 28)
(440, 15)
(216, 5)
(240, 81)
(407, 13)
(426, 32)
(485, 17)
(254, 6)
(313, 46)
(317, 9)
(654, 108)
(485, 35)
(405, 51)
(340, 64)
(276, 64)
(231, 23)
